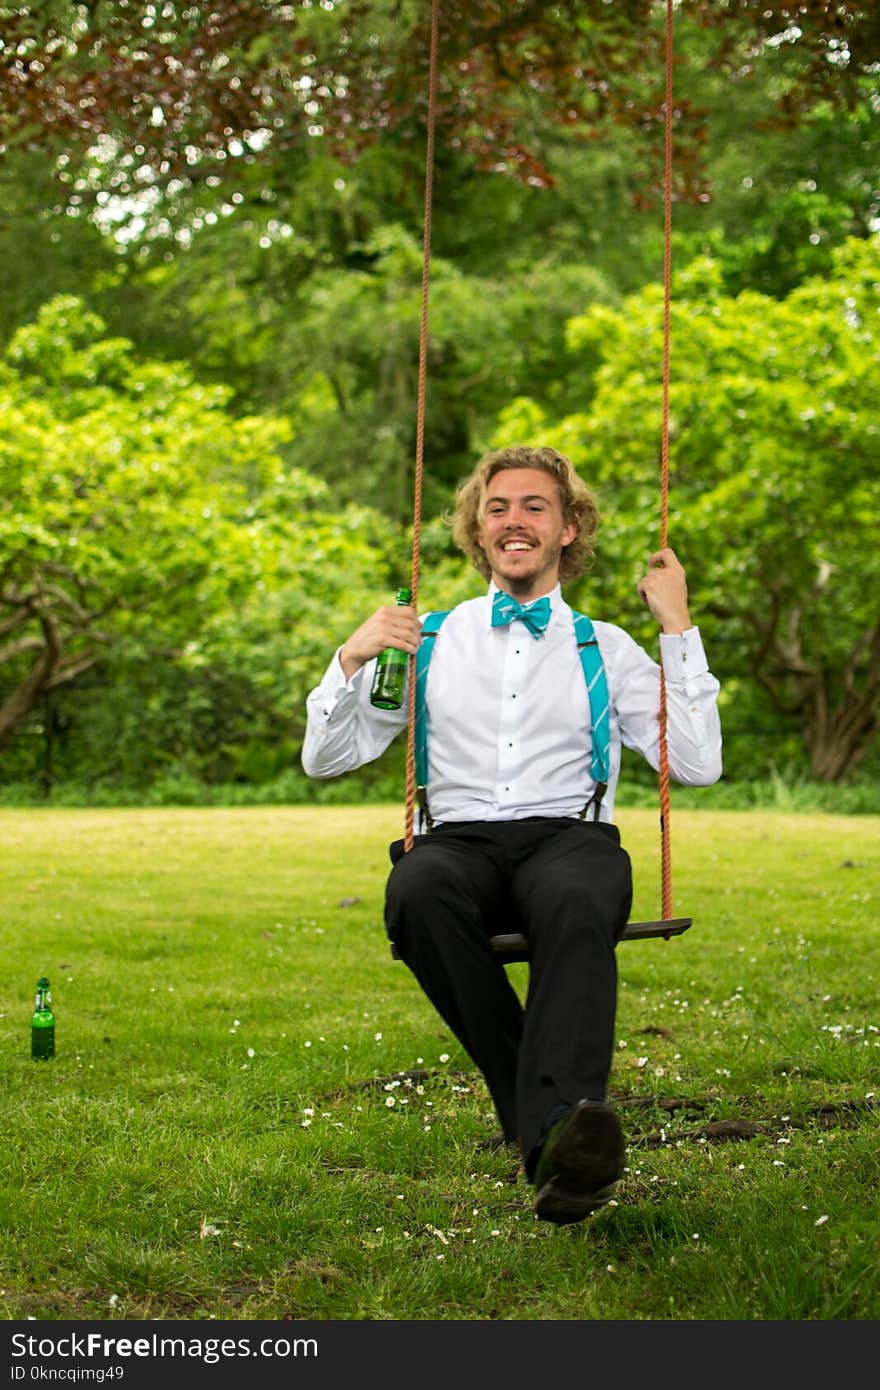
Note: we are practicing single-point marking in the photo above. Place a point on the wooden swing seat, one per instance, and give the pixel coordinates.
(514, 946)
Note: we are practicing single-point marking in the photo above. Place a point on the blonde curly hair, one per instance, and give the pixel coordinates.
(578, 506)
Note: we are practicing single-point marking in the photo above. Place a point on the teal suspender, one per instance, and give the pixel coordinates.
(430, 628)
(597, 690)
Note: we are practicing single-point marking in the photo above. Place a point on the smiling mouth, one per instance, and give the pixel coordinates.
(514, 546)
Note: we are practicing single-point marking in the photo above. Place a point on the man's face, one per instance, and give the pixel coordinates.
(523, 531)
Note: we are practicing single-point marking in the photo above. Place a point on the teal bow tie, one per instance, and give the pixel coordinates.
(535, 615)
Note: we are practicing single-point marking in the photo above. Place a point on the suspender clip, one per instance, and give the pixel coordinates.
(595, 800)
(426, 823)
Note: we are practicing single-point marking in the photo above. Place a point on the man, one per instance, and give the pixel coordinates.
(521, 833)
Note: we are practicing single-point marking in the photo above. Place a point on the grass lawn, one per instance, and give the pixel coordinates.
(254, 1114)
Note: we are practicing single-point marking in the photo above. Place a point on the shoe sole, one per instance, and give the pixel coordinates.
(563, 1207)
(585, 1163)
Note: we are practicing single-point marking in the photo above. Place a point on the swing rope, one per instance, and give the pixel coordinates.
(420, 422)
(663, 771)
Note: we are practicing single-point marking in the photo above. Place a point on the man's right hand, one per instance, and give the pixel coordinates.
(392, 626)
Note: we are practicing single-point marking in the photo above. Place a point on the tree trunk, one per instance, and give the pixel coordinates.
(838, 742)
(16, 709)
(50, 670)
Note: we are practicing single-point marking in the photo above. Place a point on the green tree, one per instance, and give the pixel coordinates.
(774, 482)
(350, 359)
(145, 528)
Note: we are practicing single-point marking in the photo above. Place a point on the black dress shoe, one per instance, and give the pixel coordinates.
(582, 1159)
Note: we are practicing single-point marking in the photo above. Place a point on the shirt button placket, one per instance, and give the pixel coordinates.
(512, 686)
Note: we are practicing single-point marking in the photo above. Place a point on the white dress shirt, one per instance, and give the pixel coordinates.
(509, 716)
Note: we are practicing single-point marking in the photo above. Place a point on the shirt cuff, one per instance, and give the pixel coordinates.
(334, 689)
(682, 655)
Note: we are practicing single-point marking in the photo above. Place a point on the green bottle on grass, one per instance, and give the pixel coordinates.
(387, 688)
(43, 1024)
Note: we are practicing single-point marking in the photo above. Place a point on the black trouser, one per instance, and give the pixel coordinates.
(568, 885)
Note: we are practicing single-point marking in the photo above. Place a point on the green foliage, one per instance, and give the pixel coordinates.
(382, 784)
(261, 291)
(42, 251)
(159, 548)
(351, 360)
(774, 473)
(128, 477)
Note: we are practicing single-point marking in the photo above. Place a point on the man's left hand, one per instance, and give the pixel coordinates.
(664, 590)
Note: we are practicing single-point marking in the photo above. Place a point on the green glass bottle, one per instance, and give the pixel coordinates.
(387, 688)
(43, 1024)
